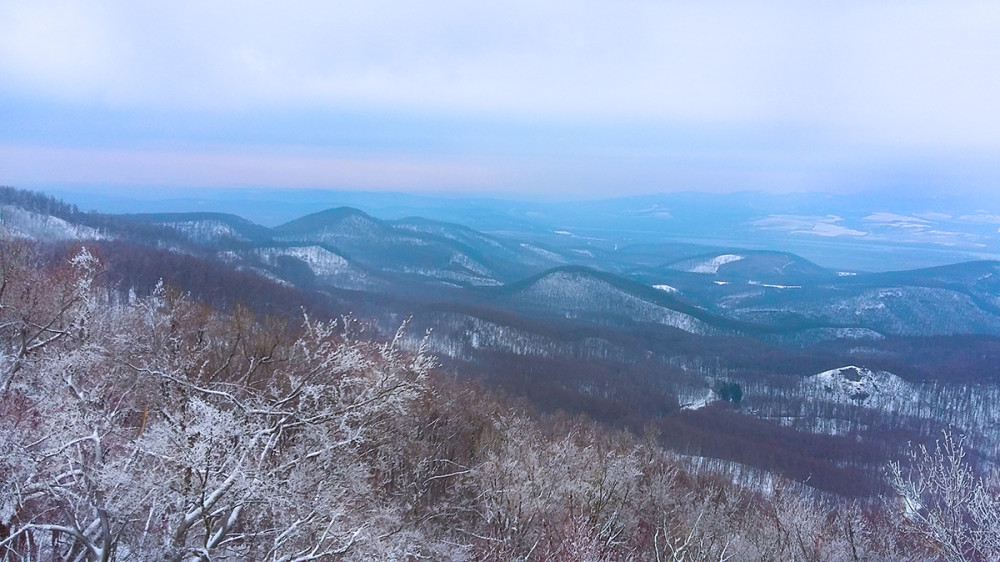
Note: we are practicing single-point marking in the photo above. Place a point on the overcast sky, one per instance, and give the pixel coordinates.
(571, 98)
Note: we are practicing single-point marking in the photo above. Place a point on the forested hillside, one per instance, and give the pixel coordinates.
(157, 428)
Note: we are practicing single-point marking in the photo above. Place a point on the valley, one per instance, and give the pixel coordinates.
(837, 369)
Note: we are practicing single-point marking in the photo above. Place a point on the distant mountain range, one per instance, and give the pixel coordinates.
(873, 231)
(560, 275)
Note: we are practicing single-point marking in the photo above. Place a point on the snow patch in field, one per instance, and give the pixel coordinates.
(899, 221)
(828, 226)
(697, 401)
(759, 284)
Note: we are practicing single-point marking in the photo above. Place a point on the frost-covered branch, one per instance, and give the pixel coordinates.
(946, 503)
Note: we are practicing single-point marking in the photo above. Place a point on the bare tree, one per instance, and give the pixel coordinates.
(163, 430)
(953, 510)
(700, 528)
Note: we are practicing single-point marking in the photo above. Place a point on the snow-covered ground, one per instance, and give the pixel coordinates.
(22, 223)
(712, 265)
(205, 231)
(544, 253)
(759, 284)
(575, 292)
(321, 261)
(696, 400)
(877, 389)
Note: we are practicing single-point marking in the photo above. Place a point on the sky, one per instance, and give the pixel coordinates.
(522, 98)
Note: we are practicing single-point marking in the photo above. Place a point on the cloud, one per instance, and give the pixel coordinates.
(584, 97)
(122, 167)
(981, 217)
(60, 50)
(934, 216)
(924, 73)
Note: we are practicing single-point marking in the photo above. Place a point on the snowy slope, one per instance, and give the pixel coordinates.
(857, 385)
(577, 292)
(712, 265)
(21, 223)
(206, 231)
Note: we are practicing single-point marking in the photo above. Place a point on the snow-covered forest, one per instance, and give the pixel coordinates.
(158, 428)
